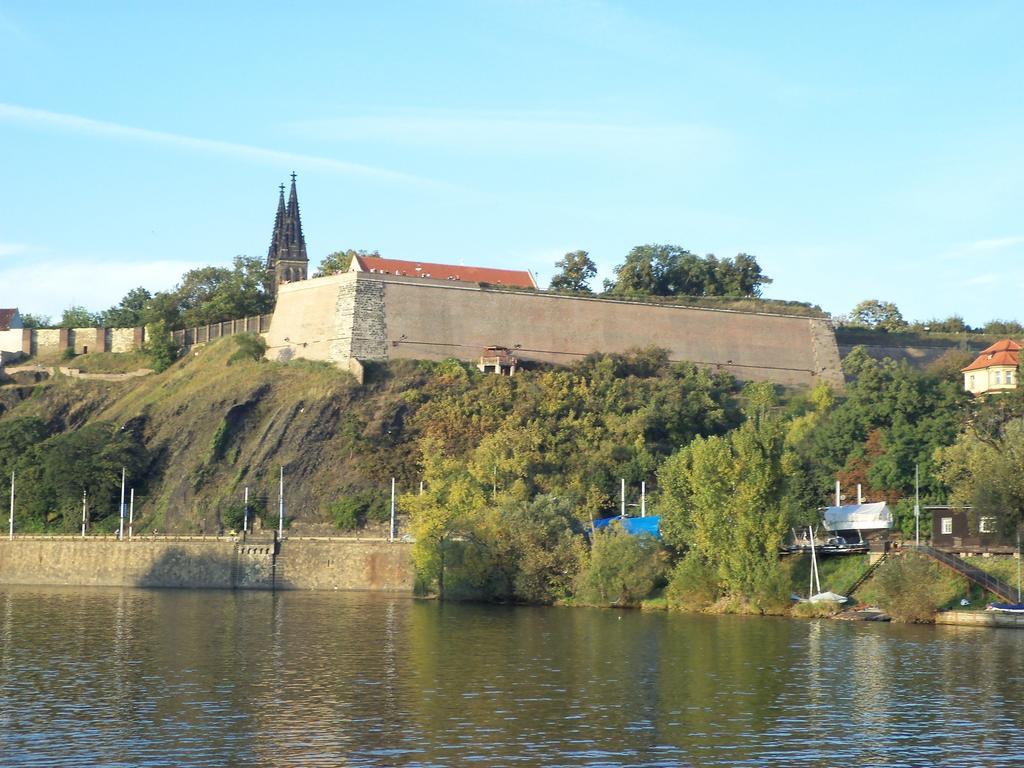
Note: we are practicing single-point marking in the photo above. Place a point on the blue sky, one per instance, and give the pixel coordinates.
(859, 150)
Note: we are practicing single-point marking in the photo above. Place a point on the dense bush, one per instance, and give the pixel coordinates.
(912, 588)
(356, 510)
(251, 346)
(622, 570)
(693, 584)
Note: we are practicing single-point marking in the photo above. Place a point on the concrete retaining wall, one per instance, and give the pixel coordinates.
(370, 316)
(980, 619)
(207, 563)
(378, 566)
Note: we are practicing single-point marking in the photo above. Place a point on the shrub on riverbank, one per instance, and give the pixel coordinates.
(622, 569)
(911, 588)
(693, 584)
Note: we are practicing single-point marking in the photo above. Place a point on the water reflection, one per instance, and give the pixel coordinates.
(186, 678)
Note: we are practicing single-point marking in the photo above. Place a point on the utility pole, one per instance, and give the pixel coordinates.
(622, 504)
(245, 512)
(131, 515)
(643, 498)
(84, 517)
(120, 529)
(10, 519)
(917, 506)
(392, 536)
(280, 507)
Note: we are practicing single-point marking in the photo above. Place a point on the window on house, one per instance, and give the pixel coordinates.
(972, 381)
(997, 377)
(947, 526)
(1009, 377)
(987, 525)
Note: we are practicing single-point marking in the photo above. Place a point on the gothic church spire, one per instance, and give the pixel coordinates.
(286, 259)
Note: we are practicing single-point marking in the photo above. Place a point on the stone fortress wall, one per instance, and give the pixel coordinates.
(53, 341)
(367, 316)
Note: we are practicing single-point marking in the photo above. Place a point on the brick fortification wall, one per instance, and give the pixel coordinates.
(377, 317)
(207, 563)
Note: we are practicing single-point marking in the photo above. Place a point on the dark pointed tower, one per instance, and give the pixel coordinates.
(286, 259)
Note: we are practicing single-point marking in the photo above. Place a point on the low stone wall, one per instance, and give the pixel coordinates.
(377, 566)
(980, 619)
(206, 563)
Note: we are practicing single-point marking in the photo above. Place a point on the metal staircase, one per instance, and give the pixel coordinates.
(976, 575)
(866, 575)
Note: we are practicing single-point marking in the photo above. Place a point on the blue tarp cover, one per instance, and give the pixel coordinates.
(633, 525)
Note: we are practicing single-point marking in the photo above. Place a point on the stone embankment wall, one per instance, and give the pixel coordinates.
(377, 317)
(211, 563)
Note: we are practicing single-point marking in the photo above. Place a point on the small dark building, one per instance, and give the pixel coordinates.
(962, 531)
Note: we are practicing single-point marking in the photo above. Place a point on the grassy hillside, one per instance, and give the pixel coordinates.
(212, 428)
(209, 426)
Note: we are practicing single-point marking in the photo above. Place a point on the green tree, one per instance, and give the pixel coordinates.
(89, 459)
(575, 271)
(669, 270)
(159, 346)
(129, 313)
(29, 320)
(212, 294)
(881, 315)
(622, 569)
(78, 317)
(722, 498)
(985, 474)
(1004, 328)
(340, 261)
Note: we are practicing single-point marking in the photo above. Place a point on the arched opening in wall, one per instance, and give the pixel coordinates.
(287, 274)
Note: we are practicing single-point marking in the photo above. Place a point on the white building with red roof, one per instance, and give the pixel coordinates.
(504, 278)
(995, 370)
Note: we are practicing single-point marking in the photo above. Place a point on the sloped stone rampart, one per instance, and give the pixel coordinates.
(370, 316)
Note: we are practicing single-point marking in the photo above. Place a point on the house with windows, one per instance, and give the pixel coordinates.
(995, 370)
(958, 529)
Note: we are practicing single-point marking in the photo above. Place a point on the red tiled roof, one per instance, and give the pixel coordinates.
(512, 277)
(6, 316)
(1003, 352)
(1003, 345)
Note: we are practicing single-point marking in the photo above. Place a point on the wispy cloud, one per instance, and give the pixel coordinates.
(995, 244)
(961, 251)
(983, 279)
(521, 132)
(12, 249)
(48, 287)
(85, 125)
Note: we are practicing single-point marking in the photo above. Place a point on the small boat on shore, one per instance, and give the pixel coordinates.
(1006, 607)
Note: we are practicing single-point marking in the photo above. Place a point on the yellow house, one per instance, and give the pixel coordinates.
(995, 370)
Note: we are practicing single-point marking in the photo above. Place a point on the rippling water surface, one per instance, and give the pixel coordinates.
(132, 677)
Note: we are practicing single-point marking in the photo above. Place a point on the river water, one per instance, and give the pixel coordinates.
(134, 677)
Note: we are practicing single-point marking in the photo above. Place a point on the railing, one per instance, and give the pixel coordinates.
(978, 576)
(865, 576)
